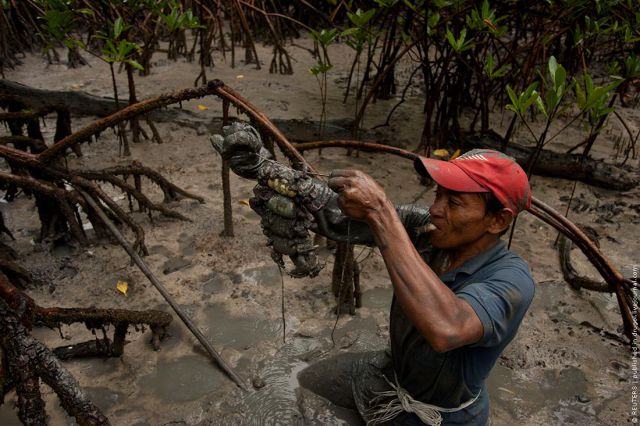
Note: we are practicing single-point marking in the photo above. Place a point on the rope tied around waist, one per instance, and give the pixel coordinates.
(402, 401)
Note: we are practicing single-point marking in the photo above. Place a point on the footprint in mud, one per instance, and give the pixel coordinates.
(187, 244)
(175, 264)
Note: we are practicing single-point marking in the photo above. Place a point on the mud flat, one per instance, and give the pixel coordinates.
(557, 371)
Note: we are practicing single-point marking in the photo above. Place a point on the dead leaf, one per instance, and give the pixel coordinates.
(244, 202)
(203, 107)
(122, 287)
(441, 153)
(239, 76)
(455, 154)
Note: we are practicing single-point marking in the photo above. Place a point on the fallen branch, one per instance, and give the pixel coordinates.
(562, 165)
(131, 111)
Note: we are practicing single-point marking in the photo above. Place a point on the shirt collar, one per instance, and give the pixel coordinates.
(471, 266)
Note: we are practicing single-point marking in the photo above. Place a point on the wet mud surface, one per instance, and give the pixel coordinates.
(557, 371)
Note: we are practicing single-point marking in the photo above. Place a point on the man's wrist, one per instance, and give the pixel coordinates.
(380, 217)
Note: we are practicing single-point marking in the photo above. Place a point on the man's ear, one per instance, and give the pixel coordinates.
(501, 221)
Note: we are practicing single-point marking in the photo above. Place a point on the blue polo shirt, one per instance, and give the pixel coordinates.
(498, 285)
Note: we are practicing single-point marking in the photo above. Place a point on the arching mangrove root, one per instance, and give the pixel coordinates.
(24, 361)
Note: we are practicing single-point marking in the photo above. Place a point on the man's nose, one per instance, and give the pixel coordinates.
(436, 208)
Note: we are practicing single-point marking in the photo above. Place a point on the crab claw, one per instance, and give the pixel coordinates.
(241, 145)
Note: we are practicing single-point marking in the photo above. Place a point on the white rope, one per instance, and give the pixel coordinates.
(402, 401)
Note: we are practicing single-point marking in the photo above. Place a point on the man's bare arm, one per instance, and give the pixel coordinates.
(446, 321)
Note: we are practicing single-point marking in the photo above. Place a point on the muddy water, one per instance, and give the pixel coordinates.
(8, 413)
(183, 379)
(564, 391)
(238, 332)
(276, 396)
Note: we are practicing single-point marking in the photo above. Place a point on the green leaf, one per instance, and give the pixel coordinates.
(485, 9)
(360, 18)
(512, 95)
(488, 66)
(580, 97)
(135, 64)
(528, 100)
(350, 32)
(551, 99)
(553, 67)
(434, 18)
(540, 106)
(452, 39)
(118, 27)
(559, 80)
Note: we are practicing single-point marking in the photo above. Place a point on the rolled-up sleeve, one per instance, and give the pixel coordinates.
(500, 301)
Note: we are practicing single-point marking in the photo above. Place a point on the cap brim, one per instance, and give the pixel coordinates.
(447, 175)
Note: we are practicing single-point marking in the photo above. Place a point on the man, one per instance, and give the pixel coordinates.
(459, 294)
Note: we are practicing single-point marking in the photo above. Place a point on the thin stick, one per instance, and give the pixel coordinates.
(284, 319)
(163, 291)
(341, 287)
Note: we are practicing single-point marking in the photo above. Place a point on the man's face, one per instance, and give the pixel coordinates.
(459, 218)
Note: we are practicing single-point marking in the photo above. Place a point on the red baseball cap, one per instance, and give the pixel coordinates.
(481, 170)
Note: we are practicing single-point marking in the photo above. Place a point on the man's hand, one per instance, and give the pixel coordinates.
(360, 196)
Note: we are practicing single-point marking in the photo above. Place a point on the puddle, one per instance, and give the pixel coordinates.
(238, 332)
(161, 250)
(216, 283)
(97, 366)
(563, 388)
(267, 275)
(104, 398)
(183, 379)
(378, 298)
(9, 413)
(187, 244)
(175, 264)
(63, 250)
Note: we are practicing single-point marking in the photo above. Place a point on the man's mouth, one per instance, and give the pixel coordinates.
(436, 225)
(430, 227)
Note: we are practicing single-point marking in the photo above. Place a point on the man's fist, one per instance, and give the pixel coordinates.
(240, 144)
(360, 196)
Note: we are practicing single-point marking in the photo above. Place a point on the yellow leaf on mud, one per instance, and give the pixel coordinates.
(122, 287)
(245, 202)
(455, 154)
(203, 107)
(441, 153)
(239, 76)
